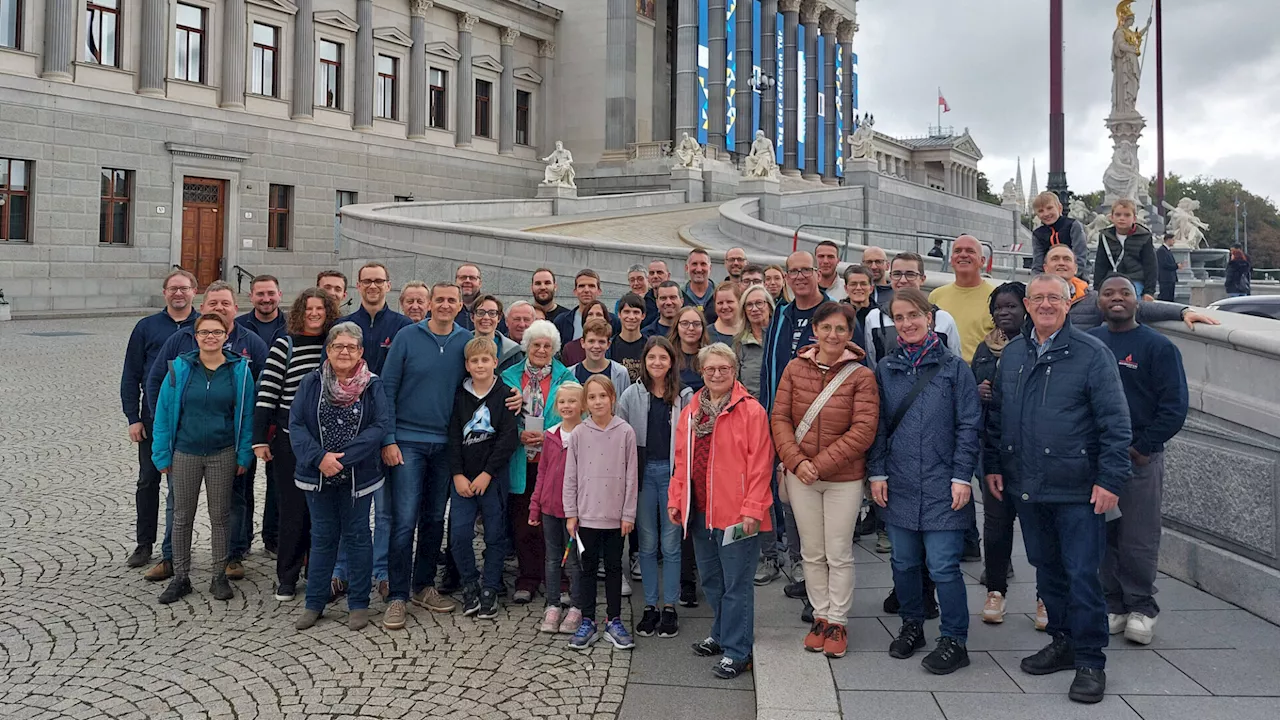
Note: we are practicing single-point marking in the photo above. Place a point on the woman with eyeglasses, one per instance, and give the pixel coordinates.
(754, 312)
(292, 357)
(202, 428)
(688, 336)
(486, 314)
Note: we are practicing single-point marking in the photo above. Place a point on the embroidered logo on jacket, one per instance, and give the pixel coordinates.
(1128, 362)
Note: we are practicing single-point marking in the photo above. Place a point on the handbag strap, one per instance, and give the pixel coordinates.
(916, 389)
(803, 428)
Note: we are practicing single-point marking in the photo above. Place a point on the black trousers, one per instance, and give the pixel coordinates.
(595, 544)
(997, 531)
(1167, 292)
(147, 495)
(270, 513)
(688, 566)
(295, 518)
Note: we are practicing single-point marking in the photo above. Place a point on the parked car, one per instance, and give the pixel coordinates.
(1266, 306)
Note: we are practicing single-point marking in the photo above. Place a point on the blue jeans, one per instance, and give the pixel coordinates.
(492, 506)
(381, 536)
(240, 519)
(727, 574)
(1138, 286)
(653, 526)
(336, 516)
(940, 551)
(420, 484)
(1065, 544)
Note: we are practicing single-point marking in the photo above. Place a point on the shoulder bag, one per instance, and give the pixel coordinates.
(812, 414)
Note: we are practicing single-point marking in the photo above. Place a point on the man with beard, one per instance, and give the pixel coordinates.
(265, 319)
(735, 261)
(586, 287)
(670, 301)
(699, 290)
(544, 294)
(874, 259)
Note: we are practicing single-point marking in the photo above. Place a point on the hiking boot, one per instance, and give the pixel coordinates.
(766, 571)
(488, 605)
(470, 600)
(910, 639)
(432, 600)
(891, 605)
(949, 656)
(648, 624)
(572, 619)
(1089, 686)
(689, 597)
(307, 619)
(178, 588)
(817, 637)
(162, 570)
(1140, 628)
(707, 648)
(836, 642)
(728, 669)
(285, 593)
(235, 570)
(220, 587)
(1116, 622)
(357, 619)
(585, 636)
(616, 633)
(993, 610)
(141, 556)
(1042, 616)
(796, 590)
(668, 623)
(550, 619)
(882, 542)
(1057, 656)
(393, 618)
(806, 613)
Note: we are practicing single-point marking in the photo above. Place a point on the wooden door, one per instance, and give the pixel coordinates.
(202, 228)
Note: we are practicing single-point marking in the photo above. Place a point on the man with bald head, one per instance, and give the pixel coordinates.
(967, 298)
(1085, 314)
(874, 259)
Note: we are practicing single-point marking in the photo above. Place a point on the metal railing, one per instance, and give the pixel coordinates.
(241, 274)
(1000, 263)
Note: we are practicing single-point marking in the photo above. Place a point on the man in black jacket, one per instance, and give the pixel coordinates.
(1058, 440)
(1167, 267)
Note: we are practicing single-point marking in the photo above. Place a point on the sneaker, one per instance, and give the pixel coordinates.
(891, 605)
(307, 619)
(795, 572)
(707, 648)
(616, 633)
(993, 610)
(285, 593)
(522, 597)
(796, 590)
(270, 549)
(836, 641)
(470, 601)
(766, 571)
(882, 542)
(220, 587)
(806, 613)
(635, 567)
(1140, 628)
(572, 619)
(1116, 622)
(141, 556)
(162, 570)
(600, 570)
(910, 639)
(1089, 686)
(817, 637)
(358, 619)
(550, 619)
(393, 618)
(648, 624)
(949, 656)
(1042, 616)
(384, 589)
(178, 588)
(337, 588)
(728, 669)
(689, 597)
(566, 599)
(488, 605)
(585, 636)
(432, 600)
(668, 623)
(626, 587)
(1057, 656)
(235, 570)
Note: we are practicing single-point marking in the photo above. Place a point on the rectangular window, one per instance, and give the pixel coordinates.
(189, 39)
(265, 47)
(329, 75)
(113, 214)
(102, 41)
(404, 198)
(385, 89)
(524, 99)
(438, 109)
(11, 24)
(279, 219)
(344, 197)
(484, 90)
(15, 200)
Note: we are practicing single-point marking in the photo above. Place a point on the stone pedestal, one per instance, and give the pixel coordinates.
(556, 192)
(719, 180)
(689, 181)
(6, 311)
(767, 190)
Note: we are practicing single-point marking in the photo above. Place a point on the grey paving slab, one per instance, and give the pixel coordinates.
(1231, 672)
(783, 667)
(673, 662)
(1017, 632)
(996, 706)
(1021, 598)
(649, 702)
(878, 671)
(1212, 629)
(1152, 707)
(1176, 595)
(1141, 672)
(890, 705)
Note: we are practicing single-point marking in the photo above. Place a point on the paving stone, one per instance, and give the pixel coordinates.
(878, 671)
(649, 702)
(890, 705)
(997, 706)
(679, 666)
(1230, 672)
(1140, 672)
(1152, 707)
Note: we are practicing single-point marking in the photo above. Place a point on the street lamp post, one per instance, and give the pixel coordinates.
(1057, 133)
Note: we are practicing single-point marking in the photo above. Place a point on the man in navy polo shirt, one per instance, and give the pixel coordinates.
(377, 321)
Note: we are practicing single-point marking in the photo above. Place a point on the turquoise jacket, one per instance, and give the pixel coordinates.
(169, 407)
(550, 418)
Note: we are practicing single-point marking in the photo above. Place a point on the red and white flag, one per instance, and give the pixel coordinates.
(942, 102)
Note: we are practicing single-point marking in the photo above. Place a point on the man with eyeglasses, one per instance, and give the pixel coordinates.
(148, 336)
(1058, 439)
(469, 280)
(376, 319)
(751, 275)
(789, 329)
(874, 259)
(880, 337)
(735, 261)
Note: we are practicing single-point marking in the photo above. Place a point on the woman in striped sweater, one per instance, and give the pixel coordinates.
(291, 358)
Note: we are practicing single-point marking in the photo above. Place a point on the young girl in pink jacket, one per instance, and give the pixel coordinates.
(546, 508)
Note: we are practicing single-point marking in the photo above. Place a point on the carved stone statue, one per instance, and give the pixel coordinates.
(1122, 178)
(1095, 227)
(1081, 212)
(1126, 60)
(1188, 230)
(559, 171)
(1009, 196)
(860, 142)
(762, 161)
(688, 153)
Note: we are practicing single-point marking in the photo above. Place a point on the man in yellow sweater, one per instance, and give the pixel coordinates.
(966, 298)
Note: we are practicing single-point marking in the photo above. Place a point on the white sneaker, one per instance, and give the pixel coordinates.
(626, 587)
(1140, 628)
(1116, 623)
(993, 610)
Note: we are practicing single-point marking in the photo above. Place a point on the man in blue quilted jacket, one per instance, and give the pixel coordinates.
(1058, 438)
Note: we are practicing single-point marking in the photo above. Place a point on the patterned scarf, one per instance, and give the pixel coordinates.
(915, 352)
(342, 393)
(704, 421)
(995, 342)
(535, 404)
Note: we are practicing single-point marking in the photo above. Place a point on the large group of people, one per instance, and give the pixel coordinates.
(713, 435)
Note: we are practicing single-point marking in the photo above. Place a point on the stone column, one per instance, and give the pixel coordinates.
(744, 125)
(550, 109)
(153, 58)
(59, 39)
(234, 36)
(362, 112)
(507, 92)
(466, 103)
(810, 11)
(687, 68)
(417, 115)
(716, 64)
(844, 33)
(620, 75)
(829, 21)
(790, 89)
(768, 119)
(302, 102)
(661, 120)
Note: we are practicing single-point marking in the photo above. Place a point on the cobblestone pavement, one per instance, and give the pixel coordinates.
(82, 636)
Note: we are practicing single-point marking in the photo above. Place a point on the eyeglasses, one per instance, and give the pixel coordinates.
(801, 272)
(827, 329)
(473, 278)
(1051, 299)
(690, 324)
(379, 282)
(345, 349)
(757, 304)
(487, 314)
(211, 333)
(914, 315)
(179, 289)
(905, 275)
(717, 370)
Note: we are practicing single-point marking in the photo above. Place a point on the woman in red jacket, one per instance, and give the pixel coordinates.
(719, 486)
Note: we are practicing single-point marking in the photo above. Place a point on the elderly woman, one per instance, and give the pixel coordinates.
(755, 309)
(203, 435)
(824, 421)
(720, 486)
(537, 377)
(336, 426)
(925, 453)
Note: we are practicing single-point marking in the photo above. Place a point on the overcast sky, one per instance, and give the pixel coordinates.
(991, 59)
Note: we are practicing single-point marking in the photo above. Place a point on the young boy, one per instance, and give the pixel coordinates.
(482, 438)
(1057, 229)
(595, 343)
(1125, 248)
(628, 347)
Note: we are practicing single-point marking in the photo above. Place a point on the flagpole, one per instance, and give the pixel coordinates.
(939, 109)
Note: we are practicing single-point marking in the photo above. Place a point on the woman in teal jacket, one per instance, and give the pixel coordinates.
(203, 432)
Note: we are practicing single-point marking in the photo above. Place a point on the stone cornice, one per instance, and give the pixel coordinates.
(206, 153)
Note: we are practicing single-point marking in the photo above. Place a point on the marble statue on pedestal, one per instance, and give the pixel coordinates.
(1126, 60)
(1188, 230)
(1010, 194)
(559, 171)
(1123, 179)
(860, 142)
(1080, 212)
(688, 153)
(762, 161)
